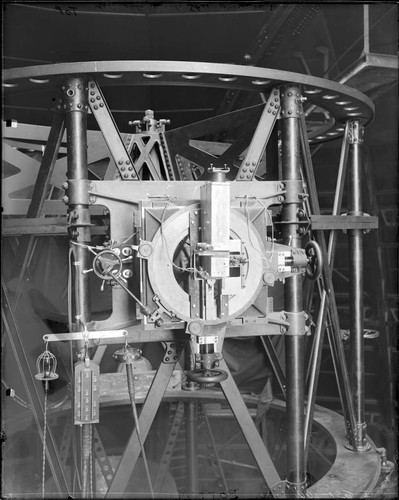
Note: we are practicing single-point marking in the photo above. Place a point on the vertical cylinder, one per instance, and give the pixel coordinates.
(355, 237)
(291, 109)
(75, 106)
(191, 447)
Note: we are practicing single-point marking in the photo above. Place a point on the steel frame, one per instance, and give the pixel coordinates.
(285, 106)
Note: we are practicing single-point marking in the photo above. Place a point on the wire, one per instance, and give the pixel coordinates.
(267, 259)
(165, 244)
(272, 227)
(44, 442)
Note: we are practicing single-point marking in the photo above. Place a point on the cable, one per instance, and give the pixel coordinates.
(44, 442)
(165, 244)
(266, 259)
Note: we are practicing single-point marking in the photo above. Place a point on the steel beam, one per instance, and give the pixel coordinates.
(191, 411)
(74, 93)
(328, 300)
(291, 110)
(248, 428)
(147, 415)
(111, 134)
(39, 195)
(355, 237)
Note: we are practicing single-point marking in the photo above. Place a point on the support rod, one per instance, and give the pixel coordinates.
(191, 447)
(355, 237)
(75, 105)
(291, 110)
(315, 360)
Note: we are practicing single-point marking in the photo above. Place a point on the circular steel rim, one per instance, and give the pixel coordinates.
(365, 466)
(174, 298)
(342, 102)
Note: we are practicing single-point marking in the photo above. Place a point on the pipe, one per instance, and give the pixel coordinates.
(291, 109)
(75, 105)
(355, 237)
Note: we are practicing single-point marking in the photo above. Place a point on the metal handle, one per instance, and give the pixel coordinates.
(315, 260)
(206, 376)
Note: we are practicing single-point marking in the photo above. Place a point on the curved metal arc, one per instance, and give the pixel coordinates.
(152, 72)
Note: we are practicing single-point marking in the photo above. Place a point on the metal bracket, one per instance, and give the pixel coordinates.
(294, 191)
(105, 334)
(356, 132)
(291, 101)
(172, 352)
(296, 323)
(77, 192)
(110, 132)
(278, 490)
(297, 490)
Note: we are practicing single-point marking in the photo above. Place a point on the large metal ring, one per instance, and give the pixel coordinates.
(341, 102)
(161, 270)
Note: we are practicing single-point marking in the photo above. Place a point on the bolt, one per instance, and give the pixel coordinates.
(92, 99)
(127, 273)
(95, 107)
(65, 199)
(101, 105)
(65, 186)
(92, 92)
(120, 162)
(92, 199)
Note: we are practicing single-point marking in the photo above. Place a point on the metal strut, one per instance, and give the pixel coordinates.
(75, 105)
(291, 110)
